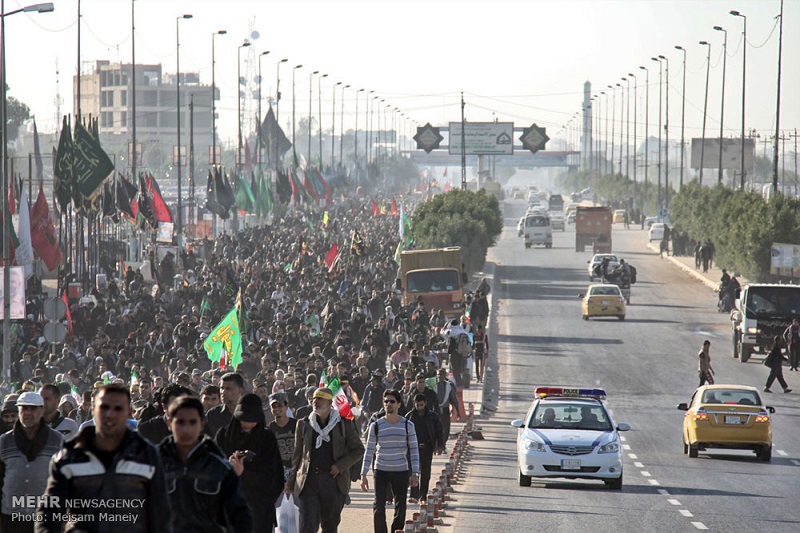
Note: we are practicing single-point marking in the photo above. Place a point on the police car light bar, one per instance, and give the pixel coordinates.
(543, 392)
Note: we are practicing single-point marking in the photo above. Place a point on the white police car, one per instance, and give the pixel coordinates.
(569, 433)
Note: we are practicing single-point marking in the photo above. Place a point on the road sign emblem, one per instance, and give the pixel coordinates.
(428, 138)
(534, 138)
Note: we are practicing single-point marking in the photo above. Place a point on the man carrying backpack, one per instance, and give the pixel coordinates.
(391, 440)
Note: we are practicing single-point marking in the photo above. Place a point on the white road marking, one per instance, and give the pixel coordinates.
(653, 482)
(663, 492)
(633, 456)
(637, 464)
(781, 452)
(686, 513)
(645, 473)
(795, 462)
(622, 438)
(626, 446)
(699, 525)
(673, 501)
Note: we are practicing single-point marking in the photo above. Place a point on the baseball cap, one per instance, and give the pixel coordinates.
(30, 398)
(279, 397)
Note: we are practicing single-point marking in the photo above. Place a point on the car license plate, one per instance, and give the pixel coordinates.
(605, 302)
(570, 464)
(733, 420)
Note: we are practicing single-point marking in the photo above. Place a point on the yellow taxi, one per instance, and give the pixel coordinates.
(727, 416)
(619, 216)
(603, 300)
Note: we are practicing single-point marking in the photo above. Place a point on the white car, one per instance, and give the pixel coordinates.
(656, 231)
(569, 433)
(597, 259)
(557, 220)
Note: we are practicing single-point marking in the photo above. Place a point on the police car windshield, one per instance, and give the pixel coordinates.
(570, 415)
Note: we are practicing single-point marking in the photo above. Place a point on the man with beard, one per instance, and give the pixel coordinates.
(325, 448)
(232, 389)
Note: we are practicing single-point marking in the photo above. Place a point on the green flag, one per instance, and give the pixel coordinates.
(62, 167)
(204, 306)
(224, 343)
(264, 195)
(91, 164)
(244, 196)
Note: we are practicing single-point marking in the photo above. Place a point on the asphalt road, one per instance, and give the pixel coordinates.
(647, 364)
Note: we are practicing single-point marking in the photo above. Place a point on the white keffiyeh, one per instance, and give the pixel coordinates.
(324, 434)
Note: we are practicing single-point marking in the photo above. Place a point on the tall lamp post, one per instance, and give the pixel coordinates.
(722, 105)
(333, 121)
(319, 102)
(613, 120)
(660, 146)
(294, 144)
(646, 132)
(635, 120)
(258, 125)
(278, 91)
(683, 113)
(180, 117)
(744, 78)
(37, 8)
(605, 136)
(705, 111)
(239, 150)
(214, 161)
(310, 98)
(666, 133)
(627, 127)
(355, 136)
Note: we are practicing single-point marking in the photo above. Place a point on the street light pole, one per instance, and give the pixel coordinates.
(722, 106)
(258, 125)
(627, 127)
(310, 98)
(178, 108)
(38, 8)
(646, 132)
(744, 78)
(294, 143)
(683, 113)
(278, 92)
(666, 134)
(605, 136)
(341, 126)
(239, 150)
(621, 121)
(214, 161)
(705, 111)
(333, 121)
(660, 146)
(319, 104)
(613, 120)
(635, 120)
(356, 130)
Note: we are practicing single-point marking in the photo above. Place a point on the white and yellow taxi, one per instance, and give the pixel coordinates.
(727, 416)
(569, 433)
(603, 300)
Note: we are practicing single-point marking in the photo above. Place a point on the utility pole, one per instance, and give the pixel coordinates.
(463, 149)
(778, 109)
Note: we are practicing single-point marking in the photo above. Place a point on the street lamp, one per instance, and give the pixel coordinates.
(310, 97)
(621, 108)
(646, 132)
(613, 120)
(213, 102)
(683, 112)
(178, 108)
(294, 144)
(666, 134)
(333, 121)
(635, 120)
(341, 127)
(258, 125)
(660, 146)
(319, 104)
(356, 131)
(627, 128)
(278, 92)
(38, 8)
(744, 71)
(239, 150)
(605, 136)
(705, 111)
(722, 106)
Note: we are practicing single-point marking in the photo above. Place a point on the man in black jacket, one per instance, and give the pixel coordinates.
(430, 438)
(106, 462)
(232, 387)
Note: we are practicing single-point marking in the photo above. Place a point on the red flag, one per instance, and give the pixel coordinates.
(135, 208)
(375, 210)
(447, 187)
(43, 234)
(330, 257)
(160, 209)
(12, 202)
(395, 212)
(292, 184)
(69, 315)
(309, 186)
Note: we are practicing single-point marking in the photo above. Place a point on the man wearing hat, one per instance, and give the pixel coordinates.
(253, 451)
(325, 447)
(25, 454)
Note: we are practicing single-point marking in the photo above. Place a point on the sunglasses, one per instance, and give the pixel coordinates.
(389, 401)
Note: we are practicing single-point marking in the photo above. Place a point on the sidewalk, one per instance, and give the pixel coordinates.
(710, 279)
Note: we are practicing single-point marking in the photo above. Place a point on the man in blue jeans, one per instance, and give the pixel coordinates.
(391, 440)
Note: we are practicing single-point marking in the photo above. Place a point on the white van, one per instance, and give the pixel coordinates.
(538, 230)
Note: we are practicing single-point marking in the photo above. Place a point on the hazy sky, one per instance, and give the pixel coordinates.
(523, 61)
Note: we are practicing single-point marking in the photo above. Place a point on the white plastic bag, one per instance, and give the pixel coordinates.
(288, 515)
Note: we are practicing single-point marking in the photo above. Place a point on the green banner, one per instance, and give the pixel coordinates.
(225, 340)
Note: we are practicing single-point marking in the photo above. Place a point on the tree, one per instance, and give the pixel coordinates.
(471, 220)
(18, 113)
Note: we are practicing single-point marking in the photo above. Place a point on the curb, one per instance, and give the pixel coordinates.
(697, 275)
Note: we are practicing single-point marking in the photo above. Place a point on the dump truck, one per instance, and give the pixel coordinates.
(436, 276)
(593, 228)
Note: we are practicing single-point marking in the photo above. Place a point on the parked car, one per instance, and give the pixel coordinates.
(657, 231)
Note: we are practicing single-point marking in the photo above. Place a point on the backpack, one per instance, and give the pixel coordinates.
(633, 273)
(463, 346)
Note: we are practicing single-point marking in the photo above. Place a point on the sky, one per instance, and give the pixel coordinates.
(522, 61)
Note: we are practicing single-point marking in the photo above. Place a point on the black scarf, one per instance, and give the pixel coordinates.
(30, 448)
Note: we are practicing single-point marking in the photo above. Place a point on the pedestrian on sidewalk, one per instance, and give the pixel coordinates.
(391, 440)
(704, 364)
(480, 346)
(775, 363)
(430, 437)
(446, 394)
